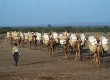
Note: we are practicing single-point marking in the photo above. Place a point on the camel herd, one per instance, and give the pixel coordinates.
(68, 41)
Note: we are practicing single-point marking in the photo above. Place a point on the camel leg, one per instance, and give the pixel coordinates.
(49, 51)
(41, 47)
(52, 51)
(79, 55)
(99, 60)
(35, 46)
(94, 57)
(18, 43)
(30, 44)
(76, 55)
(66, 56)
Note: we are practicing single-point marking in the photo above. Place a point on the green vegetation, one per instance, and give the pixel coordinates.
(57, 29)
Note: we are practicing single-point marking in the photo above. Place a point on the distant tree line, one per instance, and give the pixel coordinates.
(56, 29)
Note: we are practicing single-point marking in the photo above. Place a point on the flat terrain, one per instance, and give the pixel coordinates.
(38, 65)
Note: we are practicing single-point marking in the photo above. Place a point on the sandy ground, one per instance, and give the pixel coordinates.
(38, 65)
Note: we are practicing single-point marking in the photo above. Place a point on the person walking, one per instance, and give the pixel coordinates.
(16, 54)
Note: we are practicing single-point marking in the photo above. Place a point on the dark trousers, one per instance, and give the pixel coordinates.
(16, 56)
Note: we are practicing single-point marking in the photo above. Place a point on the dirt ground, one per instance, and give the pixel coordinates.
(38, 65)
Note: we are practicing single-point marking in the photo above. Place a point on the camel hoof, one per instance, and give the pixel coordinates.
(53, 55)
(80, 59)
(93, 60)
(66, 57)
(99, 66)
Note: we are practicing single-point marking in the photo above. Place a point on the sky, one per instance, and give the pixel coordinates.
(37, 12)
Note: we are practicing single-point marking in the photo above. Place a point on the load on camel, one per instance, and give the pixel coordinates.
(64, 41)
(53, 39)
(16, 37)
(72, 41)
(77, 42)
(45, 39)
(98, 47)
(32, 40)
(9, 37)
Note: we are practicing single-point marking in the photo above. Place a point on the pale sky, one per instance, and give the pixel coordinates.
(34, 12)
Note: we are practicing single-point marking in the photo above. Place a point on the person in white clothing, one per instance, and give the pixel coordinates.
(16, 53)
